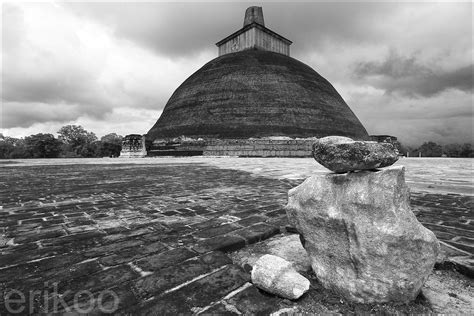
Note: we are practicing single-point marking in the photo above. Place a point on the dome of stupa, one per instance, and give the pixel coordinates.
(255, 89)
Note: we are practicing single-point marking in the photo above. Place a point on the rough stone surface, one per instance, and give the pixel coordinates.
(277, 276)
(448, 294)
(56, 213)
(287, 247)
(362, 237)
(342, 154)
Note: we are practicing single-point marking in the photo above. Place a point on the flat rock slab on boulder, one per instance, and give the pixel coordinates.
(342, 154)
(277, 276)
(362, 238)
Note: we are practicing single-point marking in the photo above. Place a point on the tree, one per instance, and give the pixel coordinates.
(112, 138)
(110, 145)
(402, 150)
(76, 139)
(90, 150)
(11, 147)
(19, 150)
(431, 149)
(43, 146)
(466, 150)
(6, 148)
(452, 150)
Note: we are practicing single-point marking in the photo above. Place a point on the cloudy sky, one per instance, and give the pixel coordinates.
(404, 68)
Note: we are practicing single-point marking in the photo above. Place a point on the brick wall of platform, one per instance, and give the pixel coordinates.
(259, 148)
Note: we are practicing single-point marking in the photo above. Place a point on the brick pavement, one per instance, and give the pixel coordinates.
(156, 235)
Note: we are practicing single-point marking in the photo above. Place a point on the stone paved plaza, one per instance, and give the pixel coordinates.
(156, 232)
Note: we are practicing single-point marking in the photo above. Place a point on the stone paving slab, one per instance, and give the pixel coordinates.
(432, 175)
(155, 234)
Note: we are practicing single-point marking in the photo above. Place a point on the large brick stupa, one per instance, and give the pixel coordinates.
(253, 93)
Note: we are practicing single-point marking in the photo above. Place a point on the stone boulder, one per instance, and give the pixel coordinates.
(342, 154)
(277, 276)
(362, 238)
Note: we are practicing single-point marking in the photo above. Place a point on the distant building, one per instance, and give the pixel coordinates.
(389, 139)
(383, 139)
(133, 146)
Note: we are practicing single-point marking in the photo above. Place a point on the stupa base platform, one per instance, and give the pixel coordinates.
(174, 153)
(254, 147)
(132, 154)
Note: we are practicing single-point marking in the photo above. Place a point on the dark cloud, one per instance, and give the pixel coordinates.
(27, 101)
(61, 75)
(183, 29)
(41, 85)
(409, 77)
(394, 66)
(444, 118)
(17, 114)
(415, 132)
(73, 88)
(173, 29)
(311, 26)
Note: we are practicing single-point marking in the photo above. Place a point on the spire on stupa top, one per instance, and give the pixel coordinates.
(254, 35)
(254, 14)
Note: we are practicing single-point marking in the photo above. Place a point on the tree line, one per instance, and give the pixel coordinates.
(73, 142)
(432, 149)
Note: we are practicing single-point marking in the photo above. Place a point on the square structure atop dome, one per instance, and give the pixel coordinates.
(254, 35)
